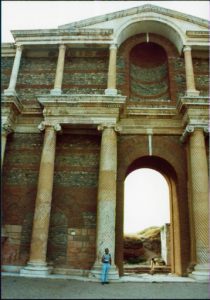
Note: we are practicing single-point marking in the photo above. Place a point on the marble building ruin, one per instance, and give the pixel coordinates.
(84, 105)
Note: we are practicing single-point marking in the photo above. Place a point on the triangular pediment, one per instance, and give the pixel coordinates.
(111, 20)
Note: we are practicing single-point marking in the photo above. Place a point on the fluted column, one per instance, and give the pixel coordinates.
(111, 84)
(6, 129)
(106, 206)
(59, 71)
(190, 80)
(10, 91)
(199, 202)
(37, 261)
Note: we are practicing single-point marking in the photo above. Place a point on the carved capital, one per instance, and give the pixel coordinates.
(7, 128)
(186, 48)
(56, 126)
(113, 46)
(115, 127)
(62, 47)
(191, 128)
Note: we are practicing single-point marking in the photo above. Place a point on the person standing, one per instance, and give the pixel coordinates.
(106, 261)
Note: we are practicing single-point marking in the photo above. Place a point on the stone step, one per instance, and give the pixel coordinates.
(140, 270)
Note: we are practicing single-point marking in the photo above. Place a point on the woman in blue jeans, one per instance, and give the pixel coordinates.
(106, 261)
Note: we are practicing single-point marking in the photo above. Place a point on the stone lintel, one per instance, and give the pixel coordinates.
(151, 111)
(75, 99)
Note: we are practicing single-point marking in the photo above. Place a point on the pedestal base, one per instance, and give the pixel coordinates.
(56, 92)
(111, 92)
(35, 270)
(10, 92)
(192, 93)
(201, 273)
(95, 273)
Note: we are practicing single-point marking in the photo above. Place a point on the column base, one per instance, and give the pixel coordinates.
(111, 92)
(36, 270)
(201, 273)
(10, 92)
(95, 273)
(192, 93)
(56, 92)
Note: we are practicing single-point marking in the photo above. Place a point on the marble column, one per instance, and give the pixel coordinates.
(6, 129)
(111, 84)
(37, 262)
(59, 71)
(199, 202)
(10, 91)
(190, 80)
(106, 205)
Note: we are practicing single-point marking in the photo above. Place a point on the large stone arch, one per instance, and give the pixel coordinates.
(150, 24)
(173, 168)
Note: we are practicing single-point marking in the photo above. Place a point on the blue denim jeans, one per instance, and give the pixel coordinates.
(105, 271)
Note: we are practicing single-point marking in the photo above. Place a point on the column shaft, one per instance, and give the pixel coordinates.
(43, 200)
(107, 194)
(14, 74)
(111, 84)
(199, 196)
(59, 70)
(190, 80)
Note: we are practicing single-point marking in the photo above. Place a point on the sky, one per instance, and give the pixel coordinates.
(16, 15)
(146, 200)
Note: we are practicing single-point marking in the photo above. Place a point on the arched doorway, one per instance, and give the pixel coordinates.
(146, 222)
(163, 167)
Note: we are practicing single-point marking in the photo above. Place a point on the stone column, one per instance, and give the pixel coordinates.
(190, 80)
(111, 84)
(106, 206)
(59, 71)
(10, 91)
(6, 129)
(37, 262)
(200, 206)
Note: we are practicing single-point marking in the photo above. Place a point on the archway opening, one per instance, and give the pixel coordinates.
(146, 222)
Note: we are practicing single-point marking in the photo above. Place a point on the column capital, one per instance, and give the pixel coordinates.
(56, 126)
(191, 128)
(113, 46)
(115, 127)
(7, 128)
(62, 46)
(187, 48)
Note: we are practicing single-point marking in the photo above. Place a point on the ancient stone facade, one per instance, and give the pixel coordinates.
(82, 107)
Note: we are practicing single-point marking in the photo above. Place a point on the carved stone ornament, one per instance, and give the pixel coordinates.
(115, 127)
(43, 124)
(7, 127)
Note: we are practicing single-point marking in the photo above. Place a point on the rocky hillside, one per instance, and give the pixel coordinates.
(142, 246)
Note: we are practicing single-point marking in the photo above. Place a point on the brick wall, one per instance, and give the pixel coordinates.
(6, 69)
(201, 71)
(19, 186)
(74, 196)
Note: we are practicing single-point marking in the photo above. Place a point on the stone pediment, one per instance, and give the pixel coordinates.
(112, 20)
